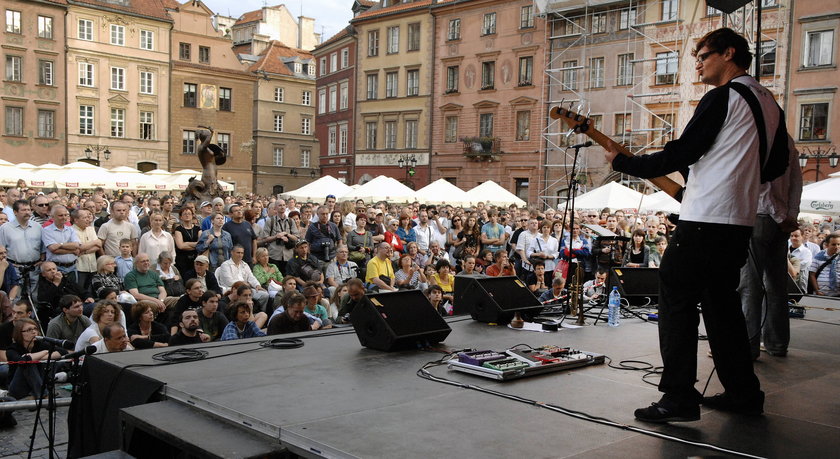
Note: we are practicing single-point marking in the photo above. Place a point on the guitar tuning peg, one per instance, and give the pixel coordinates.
(588, 111)
(569, 134)
(571, 103)
(579, 107)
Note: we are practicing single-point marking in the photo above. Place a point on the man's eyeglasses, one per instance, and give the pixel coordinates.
(42, 205)
(700, 58)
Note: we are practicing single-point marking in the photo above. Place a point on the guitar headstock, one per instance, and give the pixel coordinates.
(576, 122)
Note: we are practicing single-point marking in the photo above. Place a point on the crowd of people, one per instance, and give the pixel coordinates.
(122, 272)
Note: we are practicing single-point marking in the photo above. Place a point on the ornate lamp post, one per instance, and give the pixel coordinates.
(103, 149)
(818, 155)
(408, 162)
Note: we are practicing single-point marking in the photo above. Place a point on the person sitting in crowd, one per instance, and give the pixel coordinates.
(536, 280)
(266, 272)
(391, 237)
(189, 300)
(26, 379)
(501, 265)
(825, 268)
(341, 269)
(236, 270)
(413, 251)
(304, 267)
(105, 276)
(800, 252)
(409, 276)
(53, 285)
(240, 325)
(293, 319)
(354, 298)
(594, 290)
(405, 231)
(10, 281)
(144, 283)
(173, 283)
(210, 319)
(202, 274)
(468, 266)
(444, 279)
(314, 308)
(242, 292)
(215, 242)
(360, 242)
(660, 244)
(435, 296)
(114, 339)
(144, 332)
(335, 301)
(557, 294)
(436, 253)
(483, 261)
(104, 313)
(189, 330)
(71, 323)
(379, 274)
(637, 254)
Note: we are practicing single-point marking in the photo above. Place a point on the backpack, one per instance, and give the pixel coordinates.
(775, 162)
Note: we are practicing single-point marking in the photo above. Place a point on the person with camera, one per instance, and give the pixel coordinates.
(323, 236)
(409, 275)
(279, 235)
(303, 267)
(341, 269)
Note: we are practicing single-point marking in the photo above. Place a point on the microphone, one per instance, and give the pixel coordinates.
(588, 143)
(62, 343)
(86, 351)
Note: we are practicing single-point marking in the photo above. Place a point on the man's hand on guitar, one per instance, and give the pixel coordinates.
(610, 151)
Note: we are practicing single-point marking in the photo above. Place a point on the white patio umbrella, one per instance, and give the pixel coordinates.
(10, 174)
(659, 201)
(382, 188)
(80, 175)
(28, 173)
(441, 191)
(822, 197)
(493, 193)
(319, 189)
(613, 195)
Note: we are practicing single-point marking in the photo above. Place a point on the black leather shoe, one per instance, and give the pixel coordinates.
(753, 406)
(661, 412)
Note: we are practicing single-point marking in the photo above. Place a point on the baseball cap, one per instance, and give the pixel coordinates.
(218, 200)
(204, 203)
(301, 242)
(202, 259)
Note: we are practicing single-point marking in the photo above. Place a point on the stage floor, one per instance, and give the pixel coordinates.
(337, 399)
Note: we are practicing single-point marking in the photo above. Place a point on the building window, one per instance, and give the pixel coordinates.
(411, 134)
(485, 125)
(12, 21)
(343, 96)
(223, 140)
(45, 27)
(526, 17)
(305, 156)
(523, 125)
(117, 35)
(278, 94)
(333, 62)
(310, 69)
(342, 139)
(521, 187)
(596, 72)
(14, 64)
(627, 18)
(372, 83)
(86, 119)
(712, 11)
(819, 48)
(598, 23)
(184, 51)
(190, 94)
(225, 99)
(46, 124)
(333, 98)
(85, 30)
(452, 79)
(204, 54)
(298, 67)
(488, 75)
(86, 73)
(331, 140)
(117, 122)
(670, 10)
(570, 26)
(413, 83)
(813, 121)
(414, 37)
(393, 40)
(278, 156)
(45, 73)
(666, 67)
(767, 58)
(345, 58)
(391, 84)
(306, 98)
(597, 121)
(322, 101)
(569, 76)
(306, 126)
(623, 124)
(278, 123)
(454, 32)
(390, 135)
(147, 82)
(625, 69)
(373, 43)
(451, 135)
(488, 27)
(370, 135)
(526, 71)
(188, 144)
(147, 126)
(323, 64)
(118, 78)
(14, 119)
(147, 39)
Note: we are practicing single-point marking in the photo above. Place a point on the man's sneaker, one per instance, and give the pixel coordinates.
(61, 377)
(753, 406)
(665, 412)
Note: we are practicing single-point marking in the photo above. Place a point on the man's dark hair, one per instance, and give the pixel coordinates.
(539, 263)
(20, 202)
(721, 39)
(25, 303)
(293, 299)
(67, 301)
(356, 282)
(428, 291)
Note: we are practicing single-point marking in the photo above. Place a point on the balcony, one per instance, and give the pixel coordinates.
(482, 148)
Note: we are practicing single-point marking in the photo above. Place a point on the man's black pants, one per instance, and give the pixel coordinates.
(702, 265)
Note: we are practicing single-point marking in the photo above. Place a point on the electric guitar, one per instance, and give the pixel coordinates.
(582, 124)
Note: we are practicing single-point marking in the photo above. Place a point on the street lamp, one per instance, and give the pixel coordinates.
(409, 162)
(819, 154)
(98, 149)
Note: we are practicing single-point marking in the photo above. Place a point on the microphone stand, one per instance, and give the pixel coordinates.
(574, 290)
(48, 389)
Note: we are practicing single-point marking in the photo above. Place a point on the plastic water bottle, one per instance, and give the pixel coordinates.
(614, 308)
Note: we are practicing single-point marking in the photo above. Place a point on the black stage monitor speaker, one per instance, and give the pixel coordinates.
(635, 282)
(398, 320)
(794, 292)
(494, 299)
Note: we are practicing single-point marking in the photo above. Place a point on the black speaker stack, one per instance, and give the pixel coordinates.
(494, 299)
(398, 320)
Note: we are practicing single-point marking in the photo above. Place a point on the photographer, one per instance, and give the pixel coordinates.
(323, 236)
(340, 270)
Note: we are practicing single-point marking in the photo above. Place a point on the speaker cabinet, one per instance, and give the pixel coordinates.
(398, 320)
(794, 292)
(494, 299)
(635, 282)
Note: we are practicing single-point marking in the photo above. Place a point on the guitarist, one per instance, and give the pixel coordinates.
(720, 147)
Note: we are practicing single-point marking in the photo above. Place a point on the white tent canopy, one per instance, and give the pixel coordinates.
(382, 188)
(441, 191)
(822, 197)
(493, 193)
(613, 195)
(319, 189)
(659, 201)
(79, 175)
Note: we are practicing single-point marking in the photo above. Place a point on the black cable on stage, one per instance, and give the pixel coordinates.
(638, 365)
(424, 373)
(283, 343)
